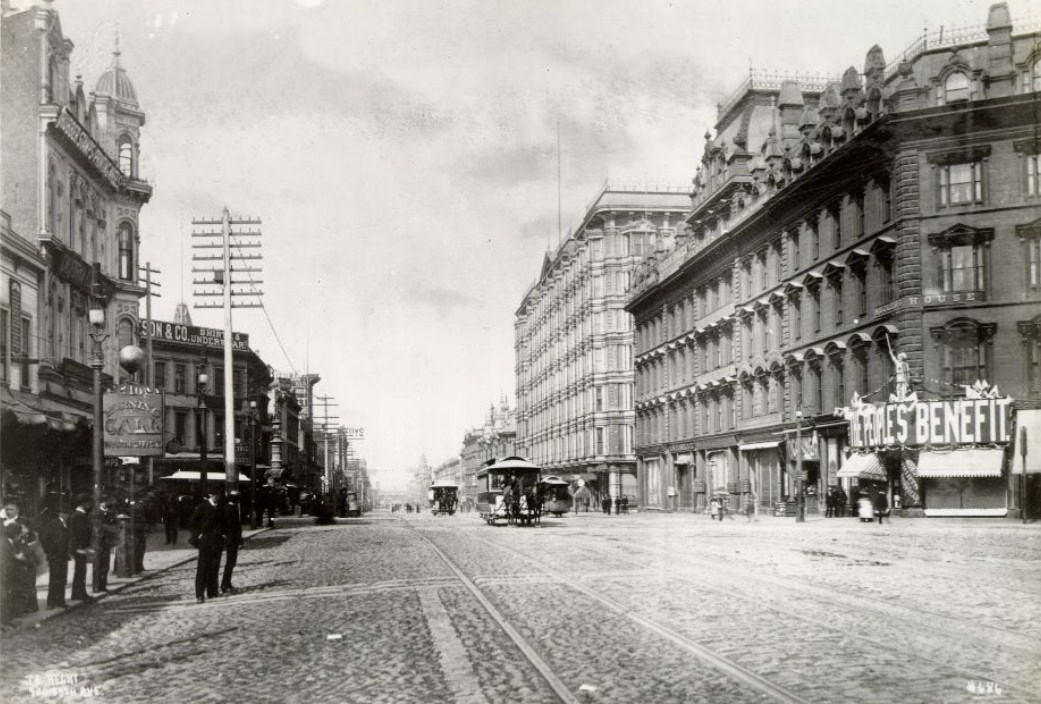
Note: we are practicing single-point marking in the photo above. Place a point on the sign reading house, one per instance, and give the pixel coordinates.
(193, 335)
(133, 421)
(915, 423)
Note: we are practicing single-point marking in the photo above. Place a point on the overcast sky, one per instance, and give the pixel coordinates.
(403, 159)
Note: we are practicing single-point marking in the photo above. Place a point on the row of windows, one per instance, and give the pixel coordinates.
(598, 441)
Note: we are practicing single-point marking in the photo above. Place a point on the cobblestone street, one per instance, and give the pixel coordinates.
(587, 608)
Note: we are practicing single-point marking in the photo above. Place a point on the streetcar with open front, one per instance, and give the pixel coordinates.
(444, 497)
(507, 490)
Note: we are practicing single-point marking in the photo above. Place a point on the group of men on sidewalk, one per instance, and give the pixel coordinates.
(215, 528)
(56, 536)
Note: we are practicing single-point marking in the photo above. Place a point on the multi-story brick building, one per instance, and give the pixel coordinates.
(574, 341)
(194, 405)
(71, 194)
(837, 224)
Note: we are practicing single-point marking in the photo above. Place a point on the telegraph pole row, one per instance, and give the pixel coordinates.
(238, 238)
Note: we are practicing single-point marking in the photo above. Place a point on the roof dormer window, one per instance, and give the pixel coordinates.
(956, 87)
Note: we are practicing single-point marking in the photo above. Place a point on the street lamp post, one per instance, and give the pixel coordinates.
(253, 522)
(201, 419)
(97, 363)
(800, 516)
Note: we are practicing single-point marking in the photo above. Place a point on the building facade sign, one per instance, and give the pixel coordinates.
(932, 300)
(66, 124)
(133, 421)
(920, 423)
(354, 433)
(193, 335)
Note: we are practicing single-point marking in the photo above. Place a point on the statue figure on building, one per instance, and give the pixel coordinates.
(901, 374)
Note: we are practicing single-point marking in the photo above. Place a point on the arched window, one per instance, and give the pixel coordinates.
(125, 332)
(126, 156)
(956, 87)
(126, 251)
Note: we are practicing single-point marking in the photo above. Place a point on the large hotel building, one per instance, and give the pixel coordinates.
(574, 341)
(869, 239)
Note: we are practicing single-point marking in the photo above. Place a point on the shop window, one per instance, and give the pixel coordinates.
(965, 351)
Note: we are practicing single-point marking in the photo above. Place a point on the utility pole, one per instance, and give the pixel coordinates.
(325, 401)
(145, 274)
(225, 281)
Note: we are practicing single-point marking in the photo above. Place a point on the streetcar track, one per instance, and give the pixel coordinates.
(704, 585)
(532, 655)
(1023, 641)
(720, 662)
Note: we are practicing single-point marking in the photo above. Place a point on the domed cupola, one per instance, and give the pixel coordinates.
(115, 83)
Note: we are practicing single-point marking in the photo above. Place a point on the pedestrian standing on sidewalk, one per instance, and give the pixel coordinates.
(605, 504)
(108, 539)
(749, 508)
(54, 535)
(713, 509)
(79, 544)
(21, 585)
(840, 502)
(206, 526)
(232, 540)
(881, 506)
(171, 518)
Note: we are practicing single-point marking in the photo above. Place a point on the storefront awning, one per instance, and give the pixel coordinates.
(766, 445)
(960, 463)
(30, 409)
(862, 466)
(189, 476)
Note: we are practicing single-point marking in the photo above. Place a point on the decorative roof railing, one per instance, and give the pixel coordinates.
(759, 79)
(955, 36)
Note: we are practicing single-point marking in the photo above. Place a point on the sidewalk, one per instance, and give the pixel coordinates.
(158, 557)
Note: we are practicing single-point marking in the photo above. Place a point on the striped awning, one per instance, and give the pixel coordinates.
(961, 463)
(862, 466)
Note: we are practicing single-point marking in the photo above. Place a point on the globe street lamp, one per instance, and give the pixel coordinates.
(97, 363)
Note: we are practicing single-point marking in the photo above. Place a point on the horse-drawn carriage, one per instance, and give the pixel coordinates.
(444, 497)
(508, 490)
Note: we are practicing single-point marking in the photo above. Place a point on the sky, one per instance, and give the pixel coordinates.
(403, 157)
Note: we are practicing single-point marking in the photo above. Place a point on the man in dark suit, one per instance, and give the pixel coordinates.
(79, 545)
(206, 527)
(54, 536)
(233, 540)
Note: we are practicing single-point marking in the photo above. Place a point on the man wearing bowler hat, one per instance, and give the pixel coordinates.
(206, 528)
(232, 539)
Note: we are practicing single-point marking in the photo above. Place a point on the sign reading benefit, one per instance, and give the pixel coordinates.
(919, 423)
(133, 421)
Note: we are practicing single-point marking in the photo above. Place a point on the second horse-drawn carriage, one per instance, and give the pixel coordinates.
(508, 490)
(444, 497)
